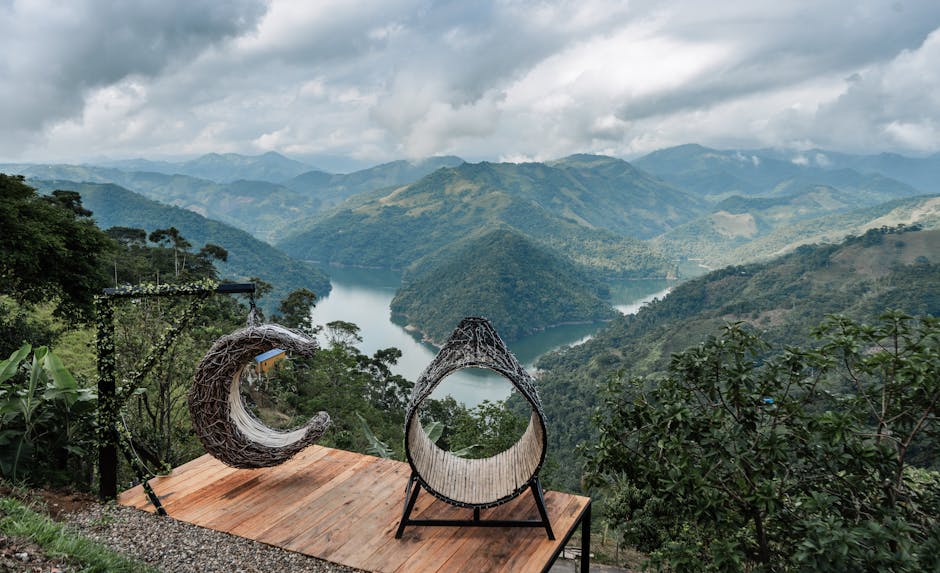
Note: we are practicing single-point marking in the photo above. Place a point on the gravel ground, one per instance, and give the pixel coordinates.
(171, 545)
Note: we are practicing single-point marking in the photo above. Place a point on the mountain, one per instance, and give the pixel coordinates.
(922, 173)
(714, 174)
(784, 298)
(520, 286)
(113, 205)
(332, 189)
(261, 207)
(223, 168)
(569, 206)
(751, 229)
(718, 174)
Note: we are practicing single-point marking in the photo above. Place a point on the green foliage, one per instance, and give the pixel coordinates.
(375, 447)
(733, 460)
(521, 287)
(49, 249)
(46, 432)
(19, 324)
(246, 256)
(295, 310)
(484, 431)
(16, 519)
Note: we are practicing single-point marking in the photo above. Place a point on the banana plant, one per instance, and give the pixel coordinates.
(43, 410)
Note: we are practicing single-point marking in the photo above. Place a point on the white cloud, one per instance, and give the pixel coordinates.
(485, 80)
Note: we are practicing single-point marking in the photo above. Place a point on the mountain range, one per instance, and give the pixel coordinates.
(677, 211)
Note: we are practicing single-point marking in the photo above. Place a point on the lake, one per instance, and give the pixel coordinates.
(363, 296)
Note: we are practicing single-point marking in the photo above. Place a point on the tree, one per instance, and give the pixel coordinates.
(50, 250)
(295, 310)
(735, 461)
(173, 238)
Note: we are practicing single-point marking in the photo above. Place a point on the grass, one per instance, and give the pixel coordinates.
(17, 519)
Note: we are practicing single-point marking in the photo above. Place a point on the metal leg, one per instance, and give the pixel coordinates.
(540, 504)
(586, 539)
(476, 514)
(411, 496)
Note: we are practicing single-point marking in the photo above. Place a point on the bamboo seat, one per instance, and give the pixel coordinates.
(474, 483)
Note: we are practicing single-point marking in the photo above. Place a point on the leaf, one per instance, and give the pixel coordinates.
(434, 430)
(61, 377)
(63, 384)
(376, 446)
(9, 366)
(466, 452)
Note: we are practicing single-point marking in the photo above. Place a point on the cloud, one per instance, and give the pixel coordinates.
(55, 54)
(490, 79)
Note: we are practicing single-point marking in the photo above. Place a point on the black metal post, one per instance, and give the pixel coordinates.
(586, 539)
(107, 437)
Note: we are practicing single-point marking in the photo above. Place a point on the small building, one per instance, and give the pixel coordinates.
(267, 360)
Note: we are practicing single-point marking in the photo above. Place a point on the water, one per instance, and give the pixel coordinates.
(363, 296)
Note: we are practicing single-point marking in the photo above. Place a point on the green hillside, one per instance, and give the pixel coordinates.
(549, 204)
(752, 229)
(115, 206)
(783, 298)
(521, 287)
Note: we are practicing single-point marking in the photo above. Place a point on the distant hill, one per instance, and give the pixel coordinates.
(714, 174)
(261, 207)
(784, 298)
(331, 189)
(590, 209)
(752, 229)
(113, 205)
(223, 167)
(520, 286)
(922, 173)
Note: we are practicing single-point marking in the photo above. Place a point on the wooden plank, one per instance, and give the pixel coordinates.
(345, 507)
(136, 497)
(331, 513)
(319, 481)
(313, 507)
(246, 503)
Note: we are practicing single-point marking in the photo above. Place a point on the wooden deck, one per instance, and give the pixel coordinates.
(344, 507)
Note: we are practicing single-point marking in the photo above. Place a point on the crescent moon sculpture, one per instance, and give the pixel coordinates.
(226, 429)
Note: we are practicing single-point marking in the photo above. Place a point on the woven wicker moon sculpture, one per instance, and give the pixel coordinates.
(226, 429)
(477, 483)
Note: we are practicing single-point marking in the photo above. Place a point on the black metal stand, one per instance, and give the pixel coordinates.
(414, 488)
(585, 557)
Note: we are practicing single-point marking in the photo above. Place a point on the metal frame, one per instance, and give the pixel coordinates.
(414, 488)
(108, 400)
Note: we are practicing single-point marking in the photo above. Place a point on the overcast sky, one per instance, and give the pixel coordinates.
(349, 83)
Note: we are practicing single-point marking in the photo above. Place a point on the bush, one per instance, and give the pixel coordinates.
(796, 463)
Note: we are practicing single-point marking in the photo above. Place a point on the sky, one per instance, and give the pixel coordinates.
(348, 83)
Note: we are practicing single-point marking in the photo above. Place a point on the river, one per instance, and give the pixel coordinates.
(363, 296)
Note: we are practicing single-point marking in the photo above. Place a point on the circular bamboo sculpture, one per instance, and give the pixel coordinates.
(226, 429)
(480, 483)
